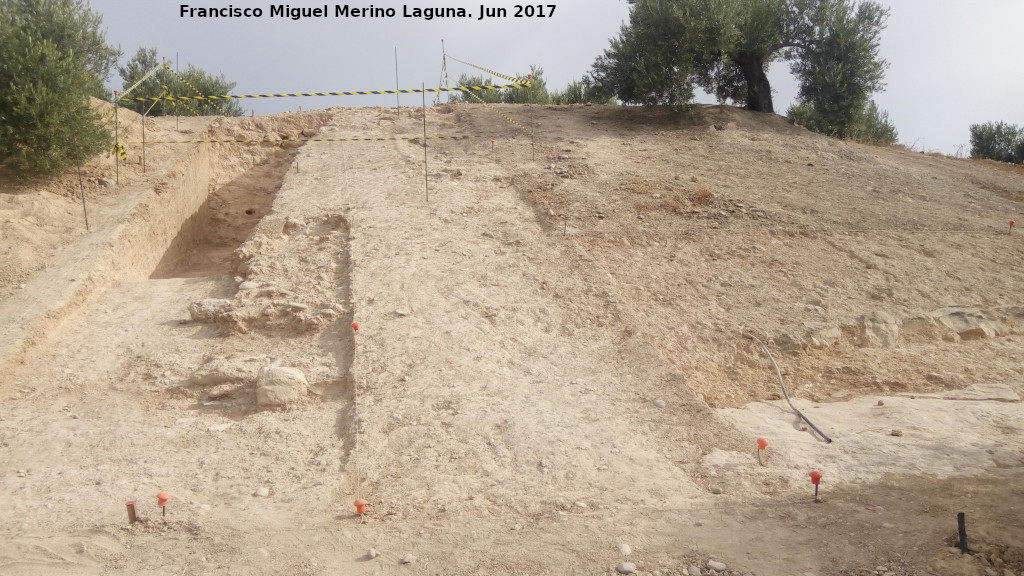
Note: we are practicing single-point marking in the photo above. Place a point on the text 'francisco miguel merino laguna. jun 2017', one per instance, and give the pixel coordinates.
(288, 11)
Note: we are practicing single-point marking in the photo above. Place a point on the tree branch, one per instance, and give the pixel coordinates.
(777, 47)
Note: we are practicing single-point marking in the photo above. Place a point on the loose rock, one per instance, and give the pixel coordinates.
(219, 370)
(262, 492)
(625, 549)
(659, 403)
(408, 559)
(372, 553)
(209, 310)
(716, 565)
(626, 568)
(693, 571)
(280, 386)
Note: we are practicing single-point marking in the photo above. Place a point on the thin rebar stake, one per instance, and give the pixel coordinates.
(398, 102)
(82, 188)
(117, 143)
(78, 161)
(785, 393)
(176, 128)
(533, 137)
(426, 180)
(143, 138)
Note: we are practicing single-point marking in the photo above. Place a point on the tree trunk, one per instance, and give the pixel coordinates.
(759, 91)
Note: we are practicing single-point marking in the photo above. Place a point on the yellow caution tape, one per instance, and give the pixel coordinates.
(519, 81)
(313, 140)
(196, 90)
(119, 150)
(521, 127)
(415, 91)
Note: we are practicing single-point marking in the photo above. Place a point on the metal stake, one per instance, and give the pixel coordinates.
(117, 141)
(426, 180)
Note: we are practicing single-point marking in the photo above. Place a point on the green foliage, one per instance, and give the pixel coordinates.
(579, 92)
(576, 92)
(839, 71)
(997, 141)
(536, 93)
(538, 90)
(870, 124)
(54, 57)
(207, 85)
(135, 69)
(649, 62)
(165, 82)
(725, 47)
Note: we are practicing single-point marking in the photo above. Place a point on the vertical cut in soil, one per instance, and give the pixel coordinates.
(206, 243)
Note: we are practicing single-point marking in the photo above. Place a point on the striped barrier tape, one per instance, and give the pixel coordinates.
(520, 83)
(196, 90)
(520, 126)
(369, 92)
(313, 140)
(141, 80)
(188, 105)
(119, 151)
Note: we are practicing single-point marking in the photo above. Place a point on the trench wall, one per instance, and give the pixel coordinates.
(128, 249)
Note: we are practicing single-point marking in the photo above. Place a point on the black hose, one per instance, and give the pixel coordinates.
(785, 393)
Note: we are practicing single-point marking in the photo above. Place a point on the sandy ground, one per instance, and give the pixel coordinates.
(553, 372)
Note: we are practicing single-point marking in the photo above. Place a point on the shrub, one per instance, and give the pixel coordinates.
(997, 141)
(54, 57)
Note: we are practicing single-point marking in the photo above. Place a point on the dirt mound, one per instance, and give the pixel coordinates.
(532, 342)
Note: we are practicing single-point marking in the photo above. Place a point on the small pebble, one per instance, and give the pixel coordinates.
(716, 490)
(693, 571)
(579, 504)
(262, 492)
(716, 565)
(659, 403)
(408, 559)
(625, 550)
(626, 568)
(372, 553)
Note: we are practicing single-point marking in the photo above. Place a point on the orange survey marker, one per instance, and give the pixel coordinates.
(360, 506)
(762, 443)
(816, 480)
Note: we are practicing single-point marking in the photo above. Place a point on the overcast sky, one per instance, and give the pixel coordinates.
(952, 62)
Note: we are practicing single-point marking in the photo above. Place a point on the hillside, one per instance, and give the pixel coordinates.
(553, 357)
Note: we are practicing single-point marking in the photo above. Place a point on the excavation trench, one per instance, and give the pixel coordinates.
(206, 241)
